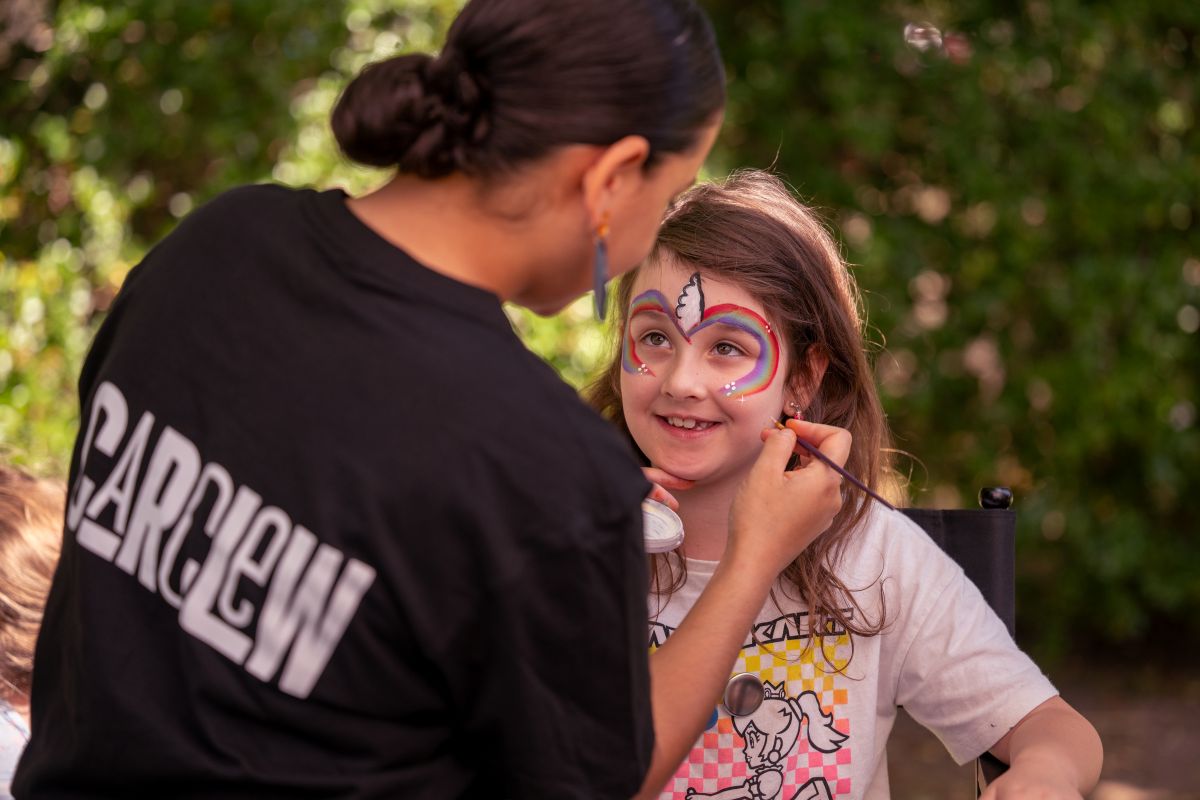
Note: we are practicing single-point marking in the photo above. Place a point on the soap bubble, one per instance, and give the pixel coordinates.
(923, 36)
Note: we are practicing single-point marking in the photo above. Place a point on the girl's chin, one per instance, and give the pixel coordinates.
(702, 475)
(687, 472)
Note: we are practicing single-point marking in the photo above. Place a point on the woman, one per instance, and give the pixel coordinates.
(332, 531)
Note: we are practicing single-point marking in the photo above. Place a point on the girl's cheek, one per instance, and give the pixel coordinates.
(636, 389)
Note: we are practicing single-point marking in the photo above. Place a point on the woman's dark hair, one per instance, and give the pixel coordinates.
(518, 78)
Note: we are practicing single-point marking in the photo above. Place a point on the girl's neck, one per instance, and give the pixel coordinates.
(705, 514)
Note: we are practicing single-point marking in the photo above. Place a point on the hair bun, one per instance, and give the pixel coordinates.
(423, 115)
(457, 118)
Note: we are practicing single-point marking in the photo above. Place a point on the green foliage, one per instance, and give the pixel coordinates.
(1020, 202)
(122, 117)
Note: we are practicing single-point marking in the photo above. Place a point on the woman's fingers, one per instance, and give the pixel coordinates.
(778, 446)
(662, 479)
(666, 479)
(776, 513)
(832, 441)
(663, 496)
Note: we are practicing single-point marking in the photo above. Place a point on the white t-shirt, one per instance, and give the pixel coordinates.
(944, 655)
(14, 733)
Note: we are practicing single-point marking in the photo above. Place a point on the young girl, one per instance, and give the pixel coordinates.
(31, 512)
(745, 313)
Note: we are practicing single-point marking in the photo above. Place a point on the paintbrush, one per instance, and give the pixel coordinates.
(815, 453)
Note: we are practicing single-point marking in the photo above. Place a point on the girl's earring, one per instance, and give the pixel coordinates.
(797, 411)
(600, 266)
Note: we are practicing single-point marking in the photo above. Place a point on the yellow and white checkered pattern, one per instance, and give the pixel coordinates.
(718, 761)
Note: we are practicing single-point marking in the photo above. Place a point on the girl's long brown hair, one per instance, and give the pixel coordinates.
(750, 231)
(31, 521)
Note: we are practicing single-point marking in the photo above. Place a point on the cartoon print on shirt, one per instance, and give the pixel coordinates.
(767, 786)
(770, 733)
(802, 679)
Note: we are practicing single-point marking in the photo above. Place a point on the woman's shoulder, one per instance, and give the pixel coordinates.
(252, 212)
(256, 194)
(559, 437)
(249, 201)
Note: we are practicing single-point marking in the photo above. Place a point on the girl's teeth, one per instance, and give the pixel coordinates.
(689, 424)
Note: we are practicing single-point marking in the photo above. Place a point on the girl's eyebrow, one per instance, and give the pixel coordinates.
(731, 327)
(750, 326)
(656, 309)
(643, 312)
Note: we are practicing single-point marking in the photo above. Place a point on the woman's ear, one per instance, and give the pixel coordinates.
(614, 175)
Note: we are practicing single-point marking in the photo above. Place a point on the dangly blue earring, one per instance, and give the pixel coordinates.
(600, 267)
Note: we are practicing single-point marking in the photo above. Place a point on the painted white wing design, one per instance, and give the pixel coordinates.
(689, 307)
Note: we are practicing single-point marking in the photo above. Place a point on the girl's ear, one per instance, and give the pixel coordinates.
(614, 175)
(807, 381)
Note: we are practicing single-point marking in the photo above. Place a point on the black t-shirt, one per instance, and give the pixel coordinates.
(334, 532)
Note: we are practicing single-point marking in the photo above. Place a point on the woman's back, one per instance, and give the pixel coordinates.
(330, 626)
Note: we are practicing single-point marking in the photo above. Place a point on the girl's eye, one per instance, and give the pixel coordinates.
(654, 339)
(728, 349)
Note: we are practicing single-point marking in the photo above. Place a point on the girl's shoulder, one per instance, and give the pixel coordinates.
(888, 543)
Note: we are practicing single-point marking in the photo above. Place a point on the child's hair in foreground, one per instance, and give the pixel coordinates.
(31, 517)
(751, 232)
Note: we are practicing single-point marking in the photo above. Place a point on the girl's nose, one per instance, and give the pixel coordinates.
(684, 380)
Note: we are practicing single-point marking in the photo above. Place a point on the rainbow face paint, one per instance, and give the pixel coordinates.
(767, 363)
(652, 300)
(690, 306)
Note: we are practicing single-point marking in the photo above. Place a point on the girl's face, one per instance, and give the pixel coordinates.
(702, 373)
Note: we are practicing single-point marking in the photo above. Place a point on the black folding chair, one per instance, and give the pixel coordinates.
(983, 542)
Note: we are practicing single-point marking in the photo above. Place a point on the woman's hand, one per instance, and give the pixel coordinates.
(777, 513)
(663, 481)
